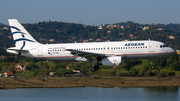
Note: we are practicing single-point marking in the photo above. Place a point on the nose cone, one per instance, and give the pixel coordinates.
(171, 51)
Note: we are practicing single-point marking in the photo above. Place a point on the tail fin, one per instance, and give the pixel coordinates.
(20, 35)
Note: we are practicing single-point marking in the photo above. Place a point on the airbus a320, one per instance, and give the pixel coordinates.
(99, 53)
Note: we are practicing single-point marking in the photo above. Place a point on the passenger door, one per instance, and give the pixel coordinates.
(151, 47)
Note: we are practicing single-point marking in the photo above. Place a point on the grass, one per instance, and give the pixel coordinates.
(66, 82)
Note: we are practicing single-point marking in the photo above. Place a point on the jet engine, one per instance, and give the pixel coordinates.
(112, 61)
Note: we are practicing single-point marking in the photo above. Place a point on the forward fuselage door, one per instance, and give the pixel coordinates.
(151, 47)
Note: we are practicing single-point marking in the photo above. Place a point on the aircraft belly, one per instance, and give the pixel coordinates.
(146, 56)
(65, 59)
(61, 59)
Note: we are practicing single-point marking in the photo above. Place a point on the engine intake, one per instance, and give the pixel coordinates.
(112, 61)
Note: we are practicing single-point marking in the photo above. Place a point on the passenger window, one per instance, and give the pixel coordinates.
(160, 46)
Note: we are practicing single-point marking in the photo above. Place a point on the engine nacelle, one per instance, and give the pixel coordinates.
(112, 61)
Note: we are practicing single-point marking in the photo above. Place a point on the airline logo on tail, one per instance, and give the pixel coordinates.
(18, 31)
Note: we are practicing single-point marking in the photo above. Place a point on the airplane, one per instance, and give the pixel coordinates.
(99, 53)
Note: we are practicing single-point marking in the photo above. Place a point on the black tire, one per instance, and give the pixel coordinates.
(152, 66)
(96, 67)
(92, 69)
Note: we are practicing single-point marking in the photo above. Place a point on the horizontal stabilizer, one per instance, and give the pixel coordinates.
(18, 49)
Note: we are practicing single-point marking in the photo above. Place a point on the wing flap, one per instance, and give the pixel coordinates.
(89, 55)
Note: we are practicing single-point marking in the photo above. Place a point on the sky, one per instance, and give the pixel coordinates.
(91, 12)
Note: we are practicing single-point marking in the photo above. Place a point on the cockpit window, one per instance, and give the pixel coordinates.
(162, 46)
(166, 45)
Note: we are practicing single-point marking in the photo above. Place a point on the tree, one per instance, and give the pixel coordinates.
(12, 69)
(31, 66)
(133, 72)
(130, 63)
(175, 66)
(172, 59)
(0, 68)
(43, 66)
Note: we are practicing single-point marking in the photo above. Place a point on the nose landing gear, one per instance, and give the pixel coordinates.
(151, 61)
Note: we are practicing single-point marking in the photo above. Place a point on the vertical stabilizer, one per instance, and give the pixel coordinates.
(20, 35)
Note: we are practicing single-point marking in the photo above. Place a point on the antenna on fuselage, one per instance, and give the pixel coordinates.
(149, 39)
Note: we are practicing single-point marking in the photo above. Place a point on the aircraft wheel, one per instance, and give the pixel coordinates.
(92, 69)
(96, 67)
(152, 66)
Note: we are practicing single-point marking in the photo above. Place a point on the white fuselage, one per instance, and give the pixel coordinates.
(125, 49)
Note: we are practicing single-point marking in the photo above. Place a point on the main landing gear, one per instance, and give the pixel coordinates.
(94, 68)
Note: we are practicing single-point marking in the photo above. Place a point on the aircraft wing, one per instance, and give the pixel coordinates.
(89, 55)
